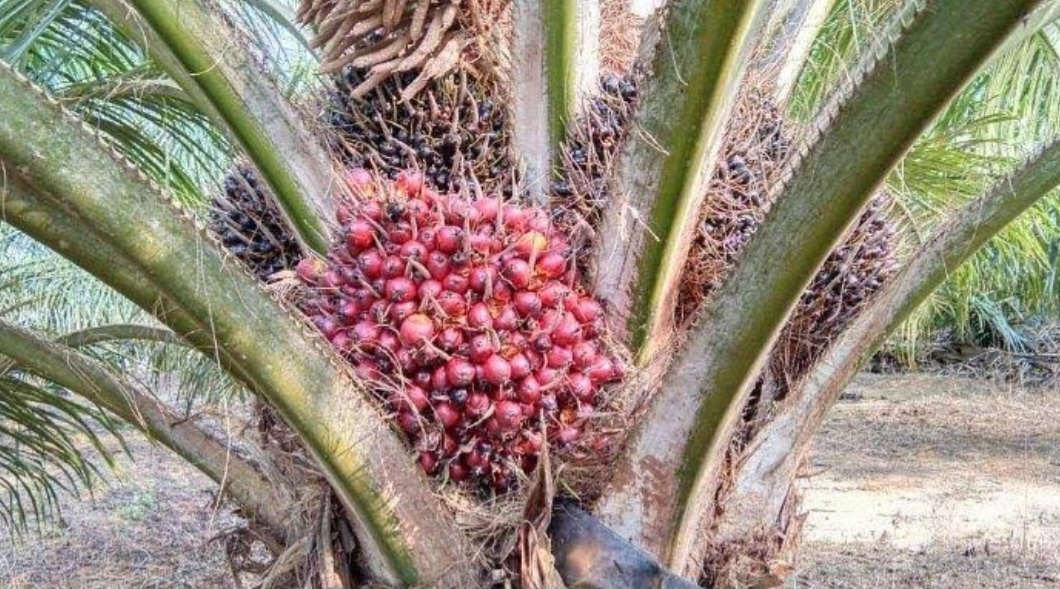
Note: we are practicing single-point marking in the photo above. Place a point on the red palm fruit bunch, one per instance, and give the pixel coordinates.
(470, 315)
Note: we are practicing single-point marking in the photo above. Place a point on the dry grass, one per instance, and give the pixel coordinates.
(150, 527)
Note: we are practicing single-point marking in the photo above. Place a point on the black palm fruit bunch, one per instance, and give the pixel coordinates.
(592, 142)
(469, 318)
(251, 227)
(452, 131)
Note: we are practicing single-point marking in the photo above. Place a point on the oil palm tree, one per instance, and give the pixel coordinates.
(685, 493)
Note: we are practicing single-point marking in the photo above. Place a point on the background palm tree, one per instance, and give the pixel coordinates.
(177, 90)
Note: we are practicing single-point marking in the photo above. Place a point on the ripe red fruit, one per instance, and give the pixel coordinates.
(400, 290)
(587, 310)
(477, 461)
(457, 472)
(527, 303)
(509, 415)
(429, 289)
(409, 422)
(450, 339)
(517, 272)
(340, 341)
(359, 236)
(438, 265)
(559, 357)
(529, 390)
(400, 311)
(409, 182)
(546, 376)
(602, 369)
(496, 370)
(371, 264)
(387, 341)
(488, 208)
(581, 387)
(416, 329)
(417, 397)
(310, 269)
(478, 316)
(393, 266)
(439, 380)
(413, 250)
(371, 209)
(451, 303)
(455, 282)
(450, 239)
(583, 355)
(520, 366)
(333, 279)
(514, 218)
(506, 318)
(426, 237)
(358, 180)
(423, 379)
(418, 211)
(538, 221)
(400, 233)
(553, 293)
(532, 243)
(480, 348)
(459, 372)
(364, 333)
(447, 415)
(482, 276)
(482, 243)
(428, 462)
(552, 265)
(348, 311)
(568, 435)
(567, 331)
(477, 404)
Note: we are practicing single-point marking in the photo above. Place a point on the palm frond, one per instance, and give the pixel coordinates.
(39, 288)
(49, 445)
(83, 59)
(1012, 105)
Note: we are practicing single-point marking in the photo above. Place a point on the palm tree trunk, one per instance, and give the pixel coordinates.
(555, 62)
(658, 187)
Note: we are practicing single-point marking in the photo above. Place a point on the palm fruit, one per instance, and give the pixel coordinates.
(593, 140)
(469, 317)
(452, 131)
(251, 226)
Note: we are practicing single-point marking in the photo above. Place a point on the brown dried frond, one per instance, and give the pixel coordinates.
(619, 36)
(390, 37)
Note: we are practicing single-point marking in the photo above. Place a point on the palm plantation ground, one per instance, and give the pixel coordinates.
(910, 485)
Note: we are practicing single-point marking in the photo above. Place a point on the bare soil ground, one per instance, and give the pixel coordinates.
(916, 481)
(928, 481)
